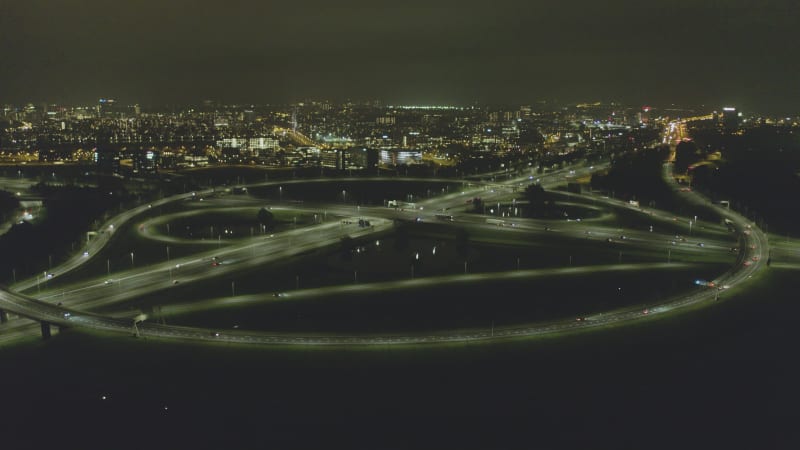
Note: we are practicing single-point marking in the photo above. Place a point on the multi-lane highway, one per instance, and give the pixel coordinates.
(68, 307)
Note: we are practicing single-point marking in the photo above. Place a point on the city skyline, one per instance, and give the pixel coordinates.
(409, 53)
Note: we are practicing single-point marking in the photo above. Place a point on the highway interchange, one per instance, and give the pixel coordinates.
(70, 306)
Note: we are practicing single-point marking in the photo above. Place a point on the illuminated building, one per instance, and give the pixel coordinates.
(361, 158)
(730, 119)
(399, 157)
(644, 115)
(252, 147)
(333, 158)
(145, 161)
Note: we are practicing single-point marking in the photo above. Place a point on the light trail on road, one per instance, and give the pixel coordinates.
(58, 315)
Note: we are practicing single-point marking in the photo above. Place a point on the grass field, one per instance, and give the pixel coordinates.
(387, 259)
(449, 306)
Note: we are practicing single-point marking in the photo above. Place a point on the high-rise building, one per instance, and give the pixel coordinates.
(644, 115)
(730, 119)
(105, 107)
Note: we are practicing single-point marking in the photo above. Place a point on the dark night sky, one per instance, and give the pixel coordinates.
(743, 52)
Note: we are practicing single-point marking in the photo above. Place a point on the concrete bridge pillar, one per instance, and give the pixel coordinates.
(3, 316)
(46, 330)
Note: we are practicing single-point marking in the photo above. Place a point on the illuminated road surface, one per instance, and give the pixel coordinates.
(143, 282)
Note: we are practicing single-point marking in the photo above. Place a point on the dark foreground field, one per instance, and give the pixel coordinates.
(719, 377)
